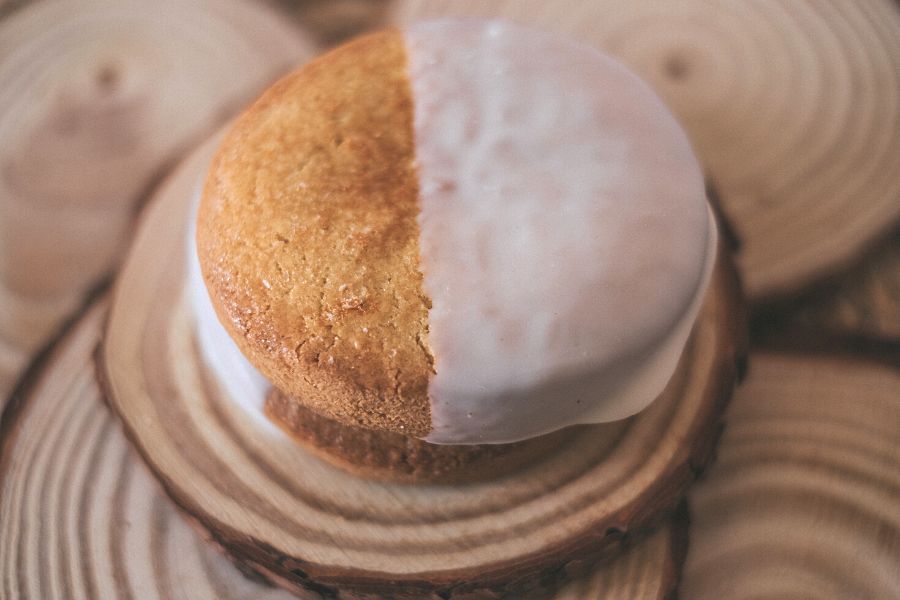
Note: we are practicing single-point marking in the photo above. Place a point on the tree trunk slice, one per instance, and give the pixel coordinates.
(81, 518)
(804, 500)
(97, 98)
(280, 511)
(793, 107)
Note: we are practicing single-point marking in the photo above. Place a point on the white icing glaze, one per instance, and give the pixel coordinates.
(565, 240)
(233, 372)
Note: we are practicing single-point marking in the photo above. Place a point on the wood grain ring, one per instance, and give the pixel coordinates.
(804, 500)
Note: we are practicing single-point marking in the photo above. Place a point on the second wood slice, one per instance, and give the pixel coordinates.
(284, 513)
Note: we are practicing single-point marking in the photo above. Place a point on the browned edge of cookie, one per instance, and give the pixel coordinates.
(388, 456)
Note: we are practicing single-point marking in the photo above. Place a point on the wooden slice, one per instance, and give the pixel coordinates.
(81, 518)
(281, 511)
(97, 98)
(793, 107)
(804, 501)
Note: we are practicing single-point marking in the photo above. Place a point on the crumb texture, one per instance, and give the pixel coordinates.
(308, 240)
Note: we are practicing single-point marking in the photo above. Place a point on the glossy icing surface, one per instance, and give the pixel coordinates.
(565, 236)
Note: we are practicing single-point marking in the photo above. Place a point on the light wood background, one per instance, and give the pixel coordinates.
(92, 115)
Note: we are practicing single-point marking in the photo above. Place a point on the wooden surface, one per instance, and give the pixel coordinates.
(97, 99)
(82, 518)
(792, 105)
(804, 500)
(278, 510)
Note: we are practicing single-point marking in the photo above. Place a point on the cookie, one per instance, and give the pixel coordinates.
(464, 232)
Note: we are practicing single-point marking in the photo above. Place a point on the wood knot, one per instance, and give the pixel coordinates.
(676, 67)
(107, 78)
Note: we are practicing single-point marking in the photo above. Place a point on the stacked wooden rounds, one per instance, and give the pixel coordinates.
(81, 518)
(96, 99)
(282, 512)
(804, 501)
(793, 107)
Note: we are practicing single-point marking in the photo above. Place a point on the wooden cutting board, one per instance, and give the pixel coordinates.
(865, 301)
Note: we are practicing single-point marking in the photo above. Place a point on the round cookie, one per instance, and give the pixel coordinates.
(465, 232)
